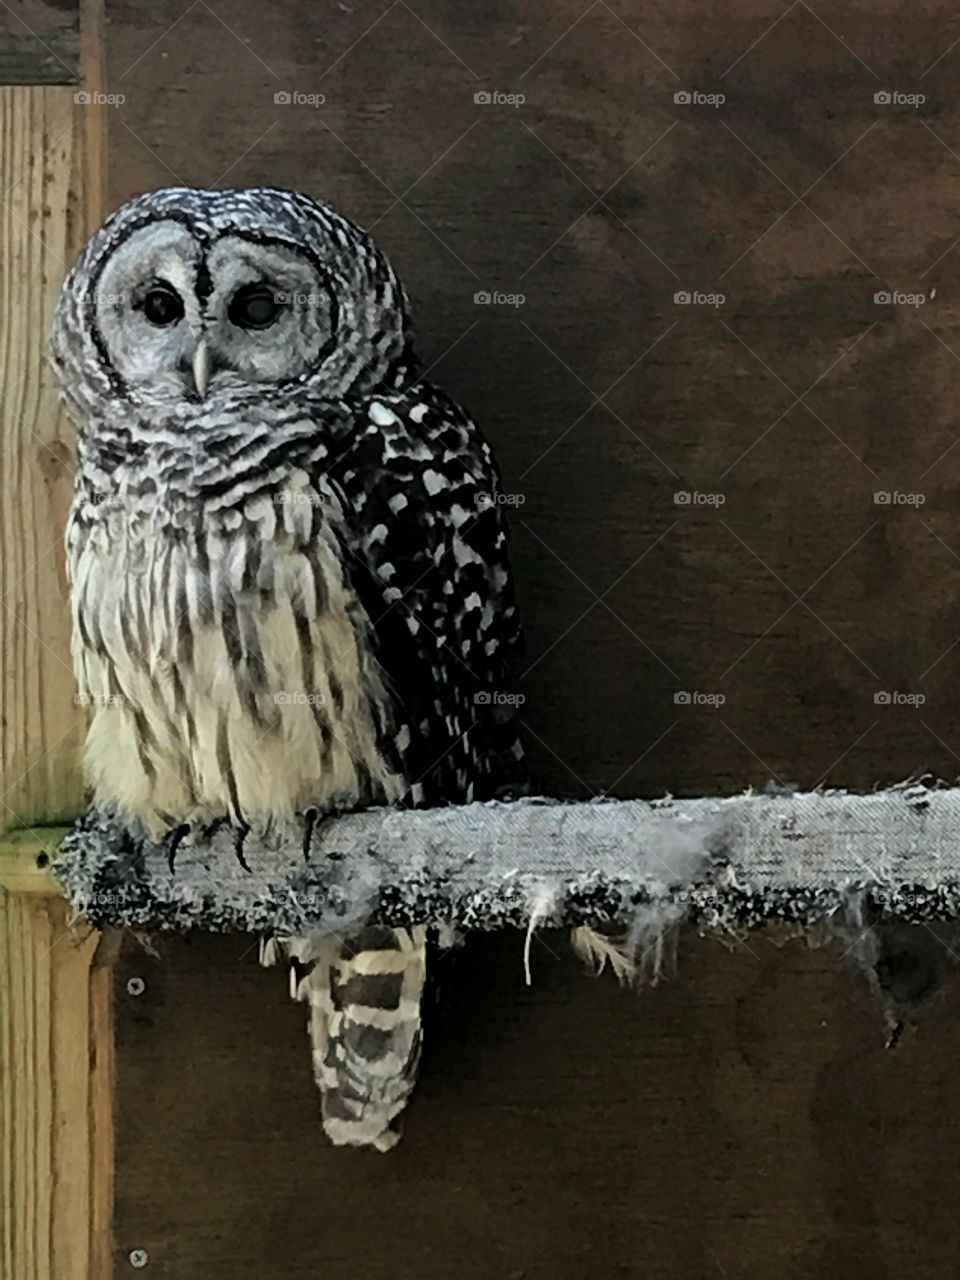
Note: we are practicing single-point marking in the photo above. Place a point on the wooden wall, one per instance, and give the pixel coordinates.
(800, 598)
(743, 1120)
(739, 1122)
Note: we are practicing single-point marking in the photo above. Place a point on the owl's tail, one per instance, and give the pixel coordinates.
(365, 996)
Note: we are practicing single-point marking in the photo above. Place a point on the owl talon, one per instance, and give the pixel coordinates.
(173, 840)
(310, 817)
(210, 829)
(238, 843)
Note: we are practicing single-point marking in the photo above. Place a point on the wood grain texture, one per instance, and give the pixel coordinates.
(25, 858)
(39, 42)
(93, 54)
(695, 598)
(101, 1146)
(41, 223)
(55, 1073)
(742, 1119)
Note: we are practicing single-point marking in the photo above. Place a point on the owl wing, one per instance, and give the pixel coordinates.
(427, 550)
(424, 548)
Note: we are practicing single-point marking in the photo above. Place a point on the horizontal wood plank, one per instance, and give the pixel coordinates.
(39, 42)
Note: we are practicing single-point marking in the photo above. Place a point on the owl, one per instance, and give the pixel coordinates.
(291, 590)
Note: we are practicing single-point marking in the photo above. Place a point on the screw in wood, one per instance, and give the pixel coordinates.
(136, 986)
(139, 1258)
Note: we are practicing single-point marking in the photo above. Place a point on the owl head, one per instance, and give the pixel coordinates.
(186, 296)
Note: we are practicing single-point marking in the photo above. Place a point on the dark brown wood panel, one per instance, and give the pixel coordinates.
(600, 197)
(40, 42)
(743, 1119)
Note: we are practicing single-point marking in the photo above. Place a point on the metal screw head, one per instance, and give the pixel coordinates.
(136, 986)
(139, 1257)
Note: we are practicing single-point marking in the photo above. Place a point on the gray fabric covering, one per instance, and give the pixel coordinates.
(728, 863)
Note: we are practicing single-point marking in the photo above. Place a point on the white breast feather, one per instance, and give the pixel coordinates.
(161, 764)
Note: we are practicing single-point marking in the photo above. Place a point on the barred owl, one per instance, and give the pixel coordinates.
(290, 582)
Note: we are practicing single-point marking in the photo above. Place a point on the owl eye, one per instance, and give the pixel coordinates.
(162, 305)
(255, 306)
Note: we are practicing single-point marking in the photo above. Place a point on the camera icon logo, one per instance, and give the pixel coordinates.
(482, 98)
(82, 98)
(482, 298)
(682, 698)
(882, 698)
(482, 698)
(682, 498)
(281, 98)
(882, 298)
(882, 498)
(682, 98)
(882, 98)
(681, 298)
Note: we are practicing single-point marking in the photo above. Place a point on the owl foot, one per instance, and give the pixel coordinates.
(210, 829)
(172, 842)
(314, 821)
(239, 838)
(310, 817)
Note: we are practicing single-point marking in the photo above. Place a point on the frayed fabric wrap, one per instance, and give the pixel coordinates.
(729, 863)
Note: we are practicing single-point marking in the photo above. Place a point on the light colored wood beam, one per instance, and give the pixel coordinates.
(42, 181)
(25, 858)
(56, 1087)
(56, 979)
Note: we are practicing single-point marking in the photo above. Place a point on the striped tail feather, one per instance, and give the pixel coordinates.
(365, 995)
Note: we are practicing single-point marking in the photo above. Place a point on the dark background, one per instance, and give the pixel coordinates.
(799, 599)
(744, 1119)
(741, 1121)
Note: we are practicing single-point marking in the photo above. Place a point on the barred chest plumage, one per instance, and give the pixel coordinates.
(223, 654)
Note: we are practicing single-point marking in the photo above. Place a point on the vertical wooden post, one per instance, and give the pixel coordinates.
(56, 1086)
(56, 1040)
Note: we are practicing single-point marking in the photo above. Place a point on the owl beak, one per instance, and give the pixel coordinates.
(201, 367)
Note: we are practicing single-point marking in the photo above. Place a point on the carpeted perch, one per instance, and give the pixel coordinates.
(732, 863)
